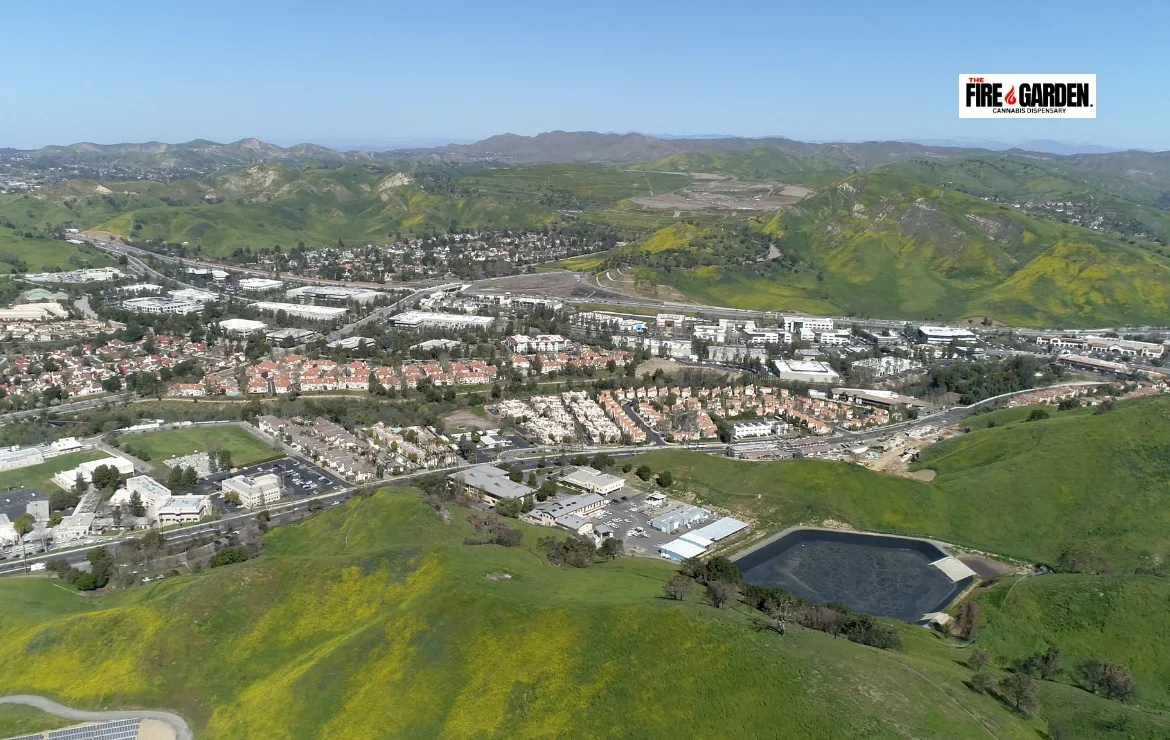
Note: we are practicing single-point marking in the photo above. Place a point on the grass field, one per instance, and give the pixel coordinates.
(1028, 490)
(1122, 619)
(16, 719)
(373, 620)
(39, 476)
(578, 186)
(760, 163)
(43, 255)
(246, 449)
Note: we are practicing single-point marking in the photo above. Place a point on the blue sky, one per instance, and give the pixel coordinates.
(382, 71)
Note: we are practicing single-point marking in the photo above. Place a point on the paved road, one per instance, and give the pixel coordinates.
(174, 721)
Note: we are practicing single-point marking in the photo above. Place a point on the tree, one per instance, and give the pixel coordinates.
(721, 592)
(1058, 730)
(136, 506)
(967, 620)
(532, 479)
(1038, 414)
(612, 548)
(1045, 664)
(112, 384)
(509, 507)
(175, 478)
(678, 588)
(982, 683)
(1019, 690)
(515, 474)
(23, 525)
(665, 479)
(547, 490)
(977, 660)
(644, 472)
(224, 459)
(1109, 679)
(80, 487)
(190, 477)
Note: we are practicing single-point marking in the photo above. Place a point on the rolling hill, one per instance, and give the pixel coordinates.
(880, 244)
(375, 621)
(757, 163)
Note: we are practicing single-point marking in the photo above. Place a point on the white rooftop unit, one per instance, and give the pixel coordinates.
(259, 285)
(720, 530)
(680, 549)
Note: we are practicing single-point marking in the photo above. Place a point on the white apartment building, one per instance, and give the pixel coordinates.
(184, 510)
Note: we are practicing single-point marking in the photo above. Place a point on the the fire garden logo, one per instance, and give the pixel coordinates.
(1030, 96)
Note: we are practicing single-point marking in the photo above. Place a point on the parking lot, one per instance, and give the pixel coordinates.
(300, 479)
(630, 521)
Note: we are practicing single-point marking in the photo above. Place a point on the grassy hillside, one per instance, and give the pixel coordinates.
(21, 253)
(759, 163)
(570, 186)
(16, 719)
(264, 205)
(373, 620)
(1095, 483)
(1122, 619)
(881, 245)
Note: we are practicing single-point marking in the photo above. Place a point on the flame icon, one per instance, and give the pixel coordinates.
(1011, 96)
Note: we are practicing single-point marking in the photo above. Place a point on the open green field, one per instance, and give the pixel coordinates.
(246, 449)
(39, 476)
(760, 163)
(373, 620)
(44, 255)
(17, 719)
(1028, 490)
(1123, 619)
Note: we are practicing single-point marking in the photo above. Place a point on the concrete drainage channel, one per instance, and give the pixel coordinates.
(154, 725)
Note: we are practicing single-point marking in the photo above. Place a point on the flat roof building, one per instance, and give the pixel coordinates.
(680, 550)
(428, 319)
(184, 510)
(259, 285)
(194, 294)
(583, 505)
(333, 293)
(593, 481)
(805, 371)
(945, 334)
(242, 327)
(683, 516)
(255, 491)
(720, 530)
(489, 483)
(162, 305)
(300, 310)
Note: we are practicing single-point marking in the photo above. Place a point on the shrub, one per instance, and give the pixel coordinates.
(720, 592)
(678, 588)
(1038, 414)
(228, 556)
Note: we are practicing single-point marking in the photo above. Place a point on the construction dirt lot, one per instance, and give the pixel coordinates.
(726, 193)
(895, 455)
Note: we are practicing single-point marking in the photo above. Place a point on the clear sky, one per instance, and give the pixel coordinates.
(364, 70)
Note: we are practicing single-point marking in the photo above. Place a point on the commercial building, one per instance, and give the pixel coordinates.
(593, 481)
(757, 429)
(719, 530)
(332, 293)
(152, 494)
(680, 550)
(242, 327)
(1092, 364)
(259, 285)
(255, 491)
(804, 327)
(194, 295)
(876, 398)
(488, 483)
(291, 334)
(15, 457)
(162, 305)
(67, 478)
(427, 319)
(805, 371)
(184, 510)
(303, 311)
(553, 512)
(33, 312)
(683, 516)
(945, 334)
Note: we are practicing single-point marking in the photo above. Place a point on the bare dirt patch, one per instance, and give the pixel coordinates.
(726, 193)
(465, 421)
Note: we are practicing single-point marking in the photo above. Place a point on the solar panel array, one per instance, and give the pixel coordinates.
(38, 736)
(122, 729)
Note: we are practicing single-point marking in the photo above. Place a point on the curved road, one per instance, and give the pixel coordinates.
(174, 721)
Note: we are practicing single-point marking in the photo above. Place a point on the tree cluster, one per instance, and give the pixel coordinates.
(498, 533)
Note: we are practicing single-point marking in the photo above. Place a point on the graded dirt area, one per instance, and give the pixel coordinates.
(465, 421)
(897, 453)
(714, 192)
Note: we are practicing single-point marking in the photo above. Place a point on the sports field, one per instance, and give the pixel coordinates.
(246, 449)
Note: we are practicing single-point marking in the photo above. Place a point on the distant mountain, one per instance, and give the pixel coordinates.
(1046, 146)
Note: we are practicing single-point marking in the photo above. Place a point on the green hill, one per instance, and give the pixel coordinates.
(1093, 483)
(759, 163)
(267, 204)
(881, 245)
(1121, 619)
(373, 620)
